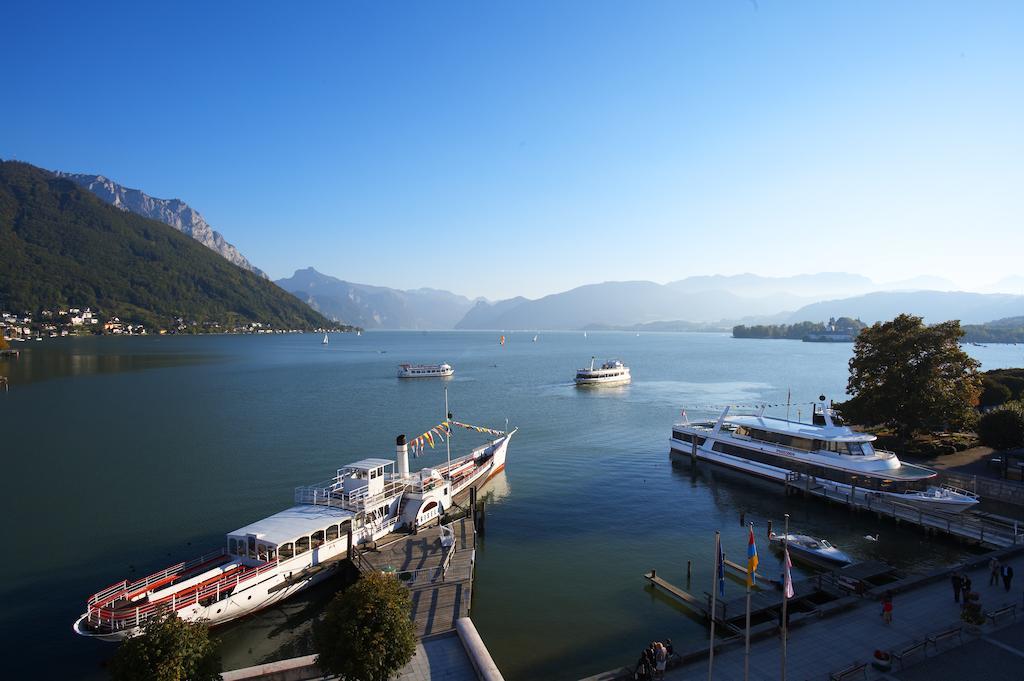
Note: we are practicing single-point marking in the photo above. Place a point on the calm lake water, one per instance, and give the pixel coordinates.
(126, 454)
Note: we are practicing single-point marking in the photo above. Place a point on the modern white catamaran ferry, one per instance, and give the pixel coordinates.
(271, 559)
(833, 455)
(425, 370)
(612, 372)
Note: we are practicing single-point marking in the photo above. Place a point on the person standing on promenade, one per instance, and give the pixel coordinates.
(1007, 576)
(966, 588)
(660, 660)
(993, 566)
(958, 584)
(887, 607)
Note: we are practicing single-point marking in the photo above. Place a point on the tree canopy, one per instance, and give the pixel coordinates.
(912, 378)
(168, 649)
(1003, 428)
(367, 633)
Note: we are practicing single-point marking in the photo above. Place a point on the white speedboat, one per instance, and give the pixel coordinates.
(324, 341)
(612, 372)
(831, 455)
(817, 550)
(271, 559)
(425, 370)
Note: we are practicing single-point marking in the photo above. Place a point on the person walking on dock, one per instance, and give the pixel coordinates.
(958, 584)
(1007, 576)
(993, 566)
(887, 607)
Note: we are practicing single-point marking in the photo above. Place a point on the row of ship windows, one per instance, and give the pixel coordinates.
(801, 443)
(861, 480)
(266, 552)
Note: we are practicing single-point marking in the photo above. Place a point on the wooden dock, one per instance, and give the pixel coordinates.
(766, 603)
(440, 578)
(982, 528)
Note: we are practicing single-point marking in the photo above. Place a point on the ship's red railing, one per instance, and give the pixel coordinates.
(103, 616)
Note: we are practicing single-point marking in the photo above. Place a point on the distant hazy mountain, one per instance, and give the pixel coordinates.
(377, 307)
(62, 246)
(1014, 284)
(802, 286)
(173, 212)
(922, 283)
(934, 306)
(622, 304)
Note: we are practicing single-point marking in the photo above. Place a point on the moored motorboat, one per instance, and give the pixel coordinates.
(271, 559)
(825, 453)
(612, 372)
(816, 550)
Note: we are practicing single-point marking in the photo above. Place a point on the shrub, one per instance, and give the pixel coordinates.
(1002, 428)
(168, 649)
(367, 633)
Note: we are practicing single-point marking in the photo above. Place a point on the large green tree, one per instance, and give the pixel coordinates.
(168, 649)
(367, 633)
(1003, 428)
(912, 377)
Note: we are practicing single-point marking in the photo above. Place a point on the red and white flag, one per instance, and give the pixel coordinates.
(787, 578)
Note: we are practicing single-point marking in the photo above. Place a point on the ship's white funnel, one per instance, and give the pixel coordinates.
(402, 457)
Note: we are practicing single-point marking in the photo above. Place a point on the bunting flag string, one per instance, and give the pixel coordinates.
(443, 430)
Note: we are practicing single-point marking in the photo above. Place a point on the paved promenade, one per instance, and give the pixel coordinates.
(817, 649)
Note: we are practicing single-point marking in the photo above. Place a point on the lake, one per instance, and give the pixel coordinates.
(123, 455)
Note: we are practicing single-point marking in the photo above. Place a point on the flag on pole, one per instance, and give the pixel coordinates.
(751, 557)
(720, 570)
(787, 579)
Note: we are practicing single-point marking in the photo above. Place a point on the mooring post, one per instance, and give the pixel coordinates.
(653, 573)
(693, 451)
(472, 505)
(769, 529)
(743, 515)
(481, 516)
(688, 565)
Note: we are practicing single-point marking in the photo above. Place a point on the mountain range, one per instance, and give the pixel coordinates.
(61, 246)
(376, 307)
(173, 212)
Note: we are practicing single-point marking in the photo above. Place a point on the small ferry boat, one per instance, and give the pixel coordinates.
(829, 454)
(816, 550)
(271, 559)
(425, 370)
(612, 372)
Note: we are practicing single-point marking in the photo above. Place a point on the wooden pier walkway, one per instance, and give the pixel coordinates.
(440, 578)
(765, 604)
(983, 528)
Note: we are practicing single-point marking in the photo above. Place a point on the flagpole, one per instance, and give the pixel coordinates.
(714, 592)
(750, 580)
(785, 595)
(448, 440)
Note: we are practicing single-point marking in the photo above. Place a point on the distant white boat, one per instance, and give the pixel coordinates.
(324, 341)
(584, 334)
(534, 339)
(425, 370)
(612, 372)
(359, 333)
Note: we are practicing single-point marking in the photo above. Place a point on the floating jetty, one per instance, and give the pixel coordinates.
(813, 595)
(985, 529)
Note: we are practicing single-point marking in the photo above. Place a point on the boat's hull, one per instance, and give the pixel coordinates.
(592, 382)
(681, 450)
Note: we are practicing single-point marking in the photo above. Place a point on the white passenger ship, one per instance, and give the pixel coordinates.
(425, 370)
(274, 558)
(612, 372)
(832, 455)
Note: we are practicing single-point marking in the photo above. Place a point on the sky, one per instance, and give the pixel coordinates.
(523, 148)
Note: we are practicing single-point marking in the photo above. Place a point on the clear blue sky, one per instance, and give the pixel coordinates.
(527, 147)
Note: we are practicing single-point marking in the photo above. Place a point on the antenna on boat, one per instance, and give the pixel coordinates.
(448, 442)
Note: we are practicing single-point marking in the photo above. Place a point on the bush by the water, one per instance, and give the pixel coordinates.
(367, 633)
(1003, 428)
(168, 649)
